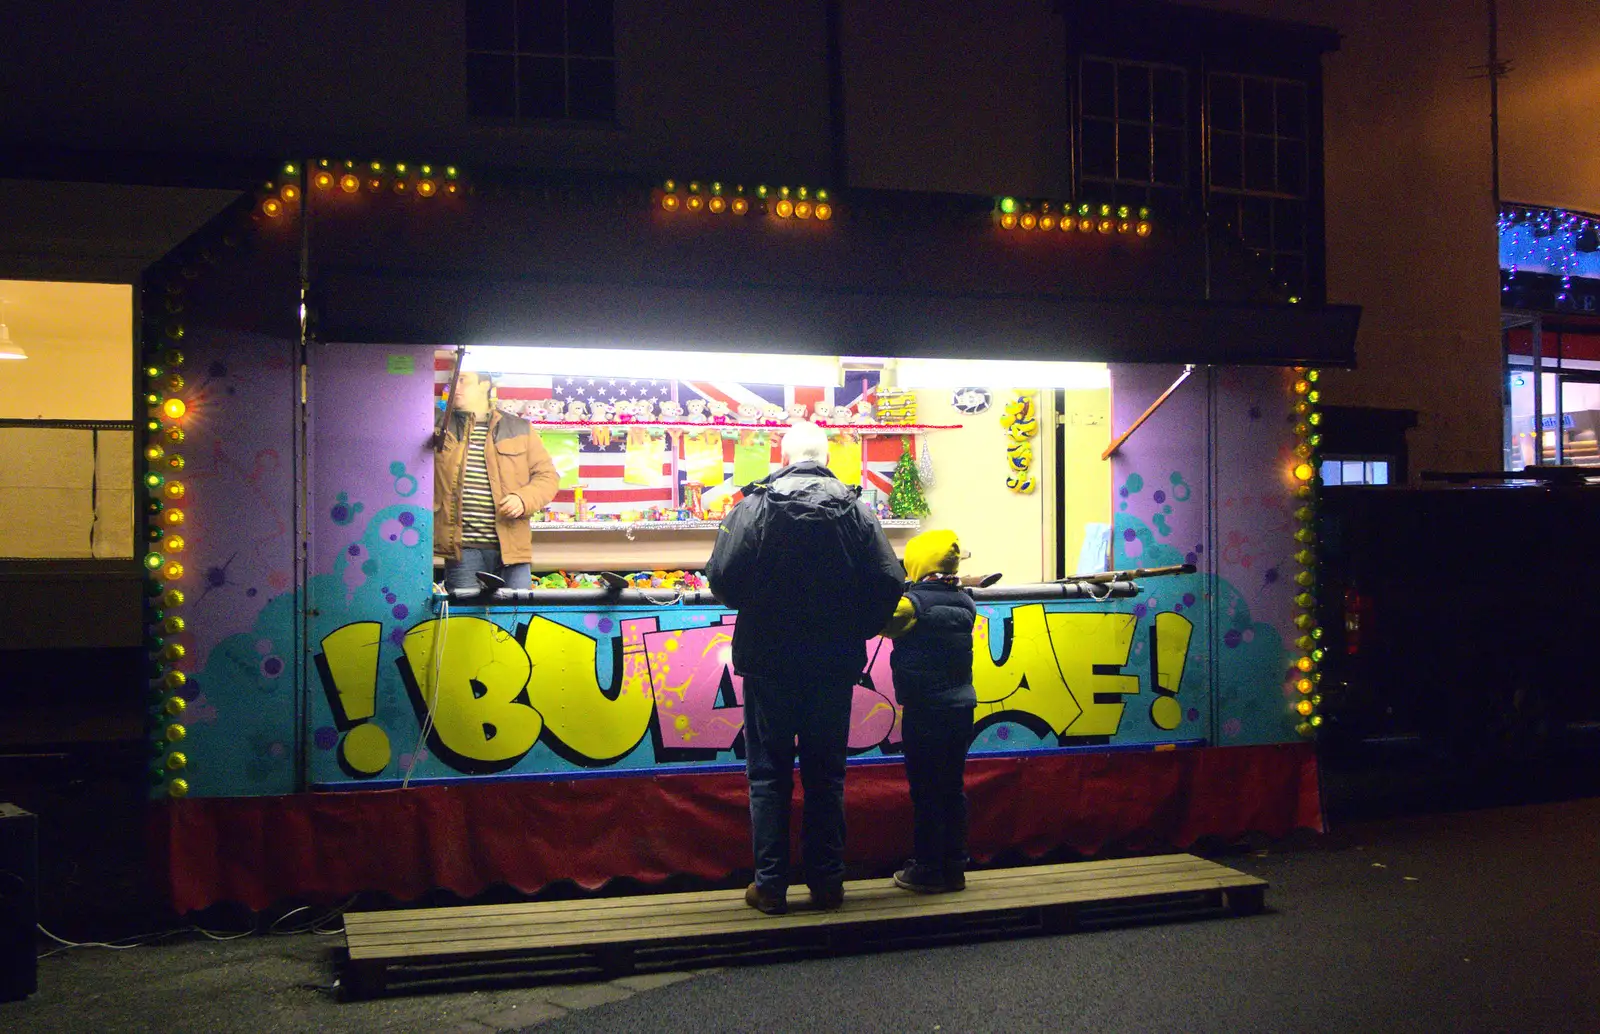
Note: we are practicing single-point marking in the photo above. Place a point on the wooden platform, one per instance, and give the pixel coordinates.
(618, 935)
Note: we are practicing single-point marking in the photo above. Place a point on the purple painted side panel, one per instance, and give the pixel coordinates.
(1159, 511)
(1255, 551)
(239, 560)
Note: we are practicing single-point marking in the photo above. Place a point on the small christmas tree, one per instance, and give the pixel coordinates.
(905, 498)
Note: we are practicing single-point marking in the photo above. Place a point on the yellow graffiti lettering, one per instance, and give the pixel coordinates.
(566, 691)
(472, 693)
(1086, 645)
(1029, 679)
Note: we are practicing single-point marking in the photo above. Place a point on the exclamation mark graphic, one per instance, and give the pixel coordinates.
(349, 664)
(1169, 648)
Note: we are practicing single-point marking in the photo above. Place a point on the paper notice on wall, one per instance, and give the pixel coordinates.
(752, 461)
(844, 459)
(563, 449)
(702, 458)
(643, 458)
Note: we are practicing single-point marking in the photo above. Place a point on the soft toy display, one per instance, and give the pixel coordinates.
(1020, 418)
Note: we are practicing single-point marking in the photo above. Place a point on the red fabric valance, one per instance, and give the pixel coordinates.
(466, 837)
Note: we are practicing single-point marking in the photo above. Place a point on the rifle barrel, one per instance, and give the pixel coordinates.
(1127, 576)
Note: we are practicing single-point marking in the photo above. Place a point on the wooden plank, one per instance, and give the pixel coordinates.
(510, 943)
(466, 931)
(644, 913)
(887, 900)
(660, 904)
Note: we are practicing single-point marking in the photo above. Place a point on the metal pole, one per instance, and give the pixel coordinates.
(1538, 390)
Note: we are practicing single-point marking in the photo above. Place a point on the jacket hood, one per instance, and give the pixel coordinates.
(808, 490)
(932, 552)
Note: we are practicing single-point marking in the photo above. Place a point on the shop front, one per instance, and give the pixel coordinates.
(329, 716)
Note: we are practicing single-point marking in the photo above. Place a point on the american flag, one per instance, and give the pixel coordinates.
(601, 468)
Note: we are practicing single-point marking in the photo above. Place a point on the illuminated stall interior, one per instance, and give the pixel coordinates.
(653, 446)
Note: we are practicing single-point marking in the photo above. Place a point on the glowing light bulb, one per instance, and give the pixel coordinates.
(1142, 228)
(174, 409)
(349, 183)
(173, 489)
(717, 205)
(173, 571)
(1028, 221)
(322, 180)
(785, 208)
(1304, 707)
(173, 544)
(1008, 221)
(1304, 686)
(427, 188)
(669, 202)
(175, 462)
(694, 202)
(153, 560)
(289, 193)
(741, 206)
(272, 208)
(172, 598)
(1304, 471)
(802, 210)
(1047, 222)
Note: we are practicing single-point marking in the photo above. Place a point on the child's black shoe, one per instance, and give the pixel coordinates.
(924, 879)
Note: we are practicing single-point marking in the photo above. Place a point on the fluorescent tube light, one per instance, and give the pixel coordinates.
(999, 373)
(744, 367)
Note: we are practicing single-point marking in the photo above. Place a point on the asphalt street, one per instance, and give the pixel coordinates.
(1484, 919)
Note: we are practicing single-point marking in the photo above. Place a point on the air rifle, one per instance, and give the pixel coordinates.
(449, 402)
(1101, 577)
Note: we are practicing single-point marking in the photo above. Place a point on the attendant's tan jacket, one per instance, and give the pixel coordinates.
(517, 463)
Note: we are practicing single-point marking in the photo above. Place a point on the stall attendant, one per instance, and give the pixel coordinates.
(490, 473)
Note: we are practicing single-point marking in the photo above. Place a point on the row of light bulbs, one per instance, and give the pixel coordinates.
(351, 177)
(780, 202)
(1011, 214)
(1308, 435)
(165, 387)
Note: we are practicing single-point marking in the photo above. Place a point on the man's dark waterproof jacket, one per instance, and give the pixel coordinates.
(809, 570)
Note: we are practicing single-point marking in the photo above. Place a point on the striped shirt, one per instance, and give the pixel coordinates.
(477, 499)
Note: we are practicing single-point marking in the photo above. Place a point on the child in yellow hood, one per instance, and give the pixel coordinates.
(932, 665)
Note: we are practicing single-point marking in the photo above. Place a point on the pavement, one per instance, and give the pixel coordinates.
(1481, 918)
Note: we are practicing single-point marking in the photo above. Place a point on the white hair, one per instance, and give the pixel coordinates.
(804, 441)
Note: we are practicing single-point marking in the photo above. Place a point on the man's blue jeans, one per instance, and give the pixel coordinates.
(464, 575)
(777, 712)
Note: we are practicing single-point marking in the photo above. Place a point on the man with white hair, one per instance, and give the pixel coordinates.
(813, 577)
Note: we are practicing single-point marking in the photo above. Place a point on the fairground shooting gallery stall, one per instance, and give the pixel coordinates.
(326, 720)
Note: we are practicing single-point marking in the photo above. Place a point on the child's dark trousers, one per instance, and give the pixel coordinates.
(936, 741)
